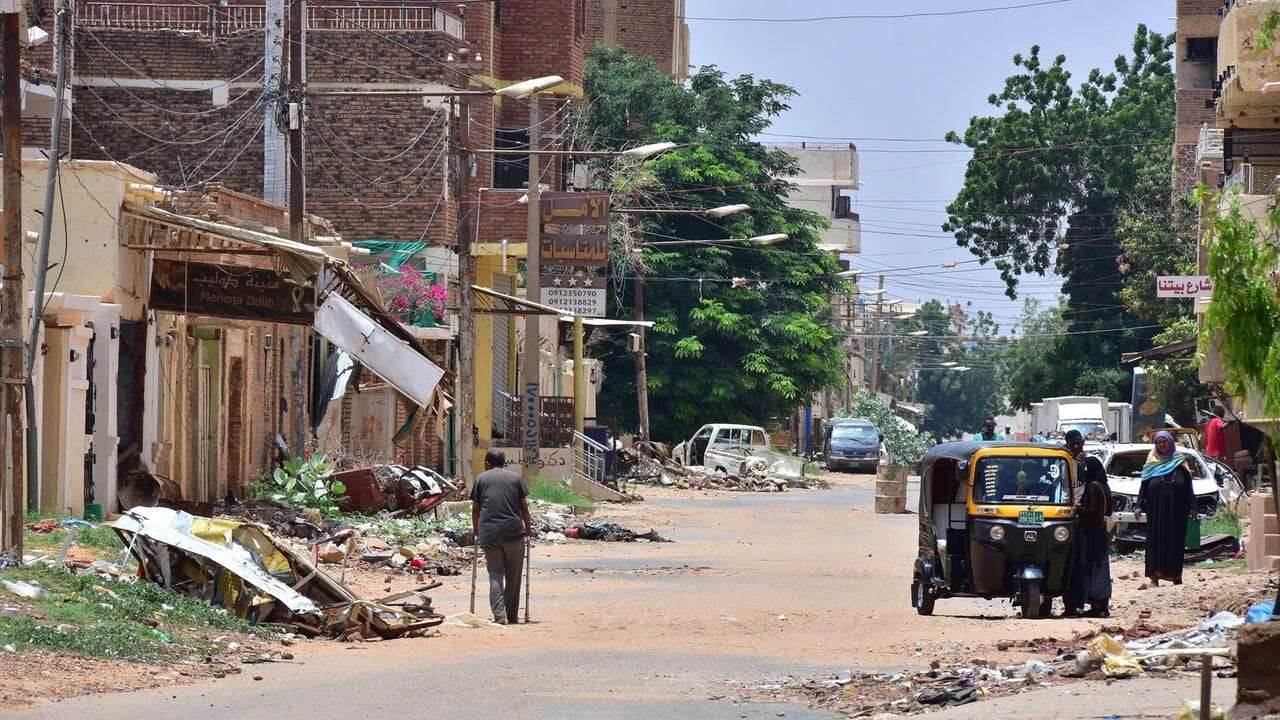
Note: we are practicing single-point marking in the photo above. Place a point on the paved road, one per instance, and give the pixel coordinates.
(755, 588)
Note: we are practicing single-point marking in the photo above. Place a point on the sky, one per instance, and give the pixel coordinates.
(911, 79)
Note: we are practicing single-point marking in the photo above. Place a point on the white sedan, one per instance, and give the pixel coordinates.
(1211, 481)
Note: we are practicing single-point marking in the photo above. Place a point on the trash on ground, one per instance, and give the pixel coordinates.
(1262, 612)
(1191, 711)
(24, 589)
(241, 566)
(612, 532)
(471, 620)
(394, 488)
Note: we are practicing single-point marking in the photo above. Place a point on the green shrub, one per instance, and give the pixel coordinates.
(306, 484)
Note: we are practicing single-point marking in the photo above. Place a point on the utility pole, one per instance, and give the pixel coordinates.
(533, 292)
(294, 357)
(466, 315)
(60, 52)
(273, 146)
(642, 372)
(11, 297)
(875, 339)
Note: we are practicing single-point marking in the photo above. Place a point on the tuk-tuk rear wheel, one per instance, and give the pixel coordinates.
(922, 598)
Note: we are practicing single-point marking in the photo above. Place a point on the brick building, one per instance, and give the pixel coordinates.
(179, 89)
(650, 27)
(1197, 72)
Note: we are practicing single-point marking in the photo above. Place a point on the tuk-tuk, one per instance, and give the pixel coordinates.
(996, 520)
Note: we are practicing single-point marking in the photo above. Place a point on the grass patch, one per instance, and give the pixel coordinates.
(98, 537)
(556, 492)
(405, 530)
(137, 621)
(1225, 521)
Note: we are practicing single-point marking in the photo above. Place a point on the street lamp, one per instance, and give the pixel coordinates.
(525, 88)
(725, 210)
(849, 274)
(758, 240)
(918, 333)
(647, 151)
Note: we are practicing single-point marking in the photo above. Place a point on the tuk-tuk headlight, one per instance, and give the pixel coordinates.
(997, 533)
(1061, 533)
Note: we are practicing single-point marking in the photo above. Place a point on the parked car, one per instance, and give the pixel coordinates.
(1212, 482)
(720, 446)
(852, 444)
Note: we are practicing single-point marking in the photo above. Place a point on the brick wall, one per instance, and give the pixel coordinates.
(548, 41)
(646, 27)
(1199, 7)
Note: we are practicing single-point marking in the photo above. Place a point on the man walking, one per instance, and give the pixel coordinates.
(988, 433)
(500, 521)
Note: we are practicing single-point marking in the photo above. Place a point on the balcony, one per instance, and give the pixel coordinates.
(1248, 76)
(213, 20)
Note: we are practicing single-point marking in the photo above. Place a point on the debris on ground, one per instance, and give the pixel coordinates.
(610, 532)
(760, 476)
(396, 489)
(241, 566)
(1095, 655)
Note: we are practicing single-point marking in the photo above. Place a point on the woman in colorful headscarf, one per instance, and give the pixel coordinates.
(1167, 499)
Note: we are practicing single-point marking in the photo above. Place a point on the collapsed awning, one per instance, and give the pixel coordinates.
(302, 262)
(1181, 350)
(389, 357)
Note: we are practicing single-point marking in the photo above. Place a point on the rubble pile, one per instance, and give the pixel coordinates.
(662, 472)
(1097, 655)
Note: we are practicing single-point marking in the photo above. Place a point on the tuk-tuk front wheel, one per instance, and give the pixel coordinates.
(1033, 606)
(921, 597)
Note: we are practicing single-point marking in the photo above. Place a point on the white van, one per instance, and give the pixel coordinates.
(720, 446)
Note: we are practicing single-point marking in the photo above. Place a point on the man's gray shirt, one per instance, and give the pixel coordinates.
(499, 493)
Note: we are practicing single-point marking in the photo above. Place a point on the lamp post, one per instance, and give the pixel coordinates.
(531, 444)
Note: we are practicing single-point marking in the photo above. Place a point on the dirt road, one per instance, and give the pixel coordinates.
(755, 587)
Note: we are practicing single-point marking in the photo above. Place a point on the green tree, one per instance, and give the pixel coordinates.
(1029, 368)
(1052, 174)
(722, 350)
(956, 401)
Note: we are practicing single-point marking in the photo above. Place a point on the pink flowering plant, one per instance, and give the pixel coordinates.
(412, 293)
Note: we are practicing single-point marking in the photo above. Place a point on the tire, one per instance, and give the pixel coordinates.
(921, 598)
(1032, 604)
(721, 470)
(1046, 607)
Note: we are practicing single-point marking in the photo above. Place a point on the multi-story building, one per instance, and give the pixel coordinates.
(1227, 110)
(649, 27)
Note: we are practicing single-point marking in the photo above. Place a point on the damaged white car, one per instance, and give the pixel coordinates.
(1212, 482)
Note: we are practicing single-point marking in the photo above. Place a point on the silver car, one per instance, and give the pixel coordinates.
(1211, 481)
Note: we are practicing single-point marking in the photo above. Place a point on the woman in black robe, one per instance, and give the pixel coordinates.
(1090, 578)
(1167, 499)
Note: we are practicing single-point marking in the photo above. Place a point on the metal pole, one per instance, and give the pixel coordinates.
(533, 292)
(874, 380)
(528, 563)
(1206, 685)
(853, 344)
(466, 315)
(42, 253)
(297, 212)
(579, 387)
(273, 145)
(475, 562)
(642, 372)
(11, 296)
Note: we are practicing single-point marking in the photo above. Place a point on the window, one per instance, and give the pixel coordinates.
(758, 439)
(1021, 480)
(582, 17)
(497, 13)
(510, 171)
(843, 208)
(1202, 49)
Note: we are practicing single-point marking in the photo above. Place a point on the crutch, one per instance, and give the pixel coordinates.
(528, 551)
(475, 561)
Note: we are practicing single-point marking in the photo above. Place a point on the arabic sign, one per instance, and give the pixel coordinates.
(229, 291)
(567, 208)
(587, 302)
(1183, 286)
(576, 250)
